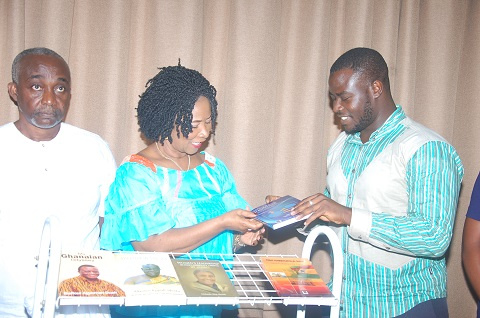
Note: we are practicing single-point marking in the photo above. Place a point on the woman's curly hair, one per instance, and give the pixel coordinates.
(168, 101)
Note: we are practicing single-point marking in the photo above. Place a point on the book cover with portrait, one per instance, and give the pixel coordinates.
(204, 278)
(89, 278)
(149, 279)
(126, 278)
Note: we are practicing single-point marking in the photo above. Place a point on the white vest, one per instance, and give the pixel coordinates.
(381, 188)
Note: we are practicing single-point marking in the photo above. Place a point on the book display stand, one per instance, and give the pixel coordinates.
(244, 270)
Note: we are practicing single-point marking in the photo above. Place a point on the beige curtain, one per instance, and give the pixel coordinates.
(269, 61)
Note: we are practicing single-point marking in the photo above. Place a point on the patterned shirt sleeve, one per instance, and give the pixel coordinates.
(434, 176)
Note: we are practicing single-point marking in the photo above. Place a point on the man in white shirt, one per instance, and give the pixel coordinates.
(47, 167)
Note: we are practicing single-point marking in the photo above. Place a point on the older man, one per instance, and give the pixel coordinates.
(47, 168)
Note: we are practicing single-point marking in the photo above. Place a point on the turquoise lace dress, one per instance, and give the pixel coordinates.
(146, 199)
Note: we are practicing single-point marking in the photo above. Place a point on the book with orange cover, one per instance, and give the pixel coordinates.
(294, 277)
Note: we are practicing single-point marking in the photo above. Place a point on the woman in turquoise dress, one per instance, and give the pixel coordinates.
(172, 197)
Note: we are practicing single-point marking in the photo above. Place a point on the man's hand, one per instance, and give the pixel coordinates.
(323, 208)
(269, 198)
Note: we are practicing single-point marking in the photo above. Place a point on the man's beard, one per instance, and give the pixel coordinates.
(365, 120)
(56, 116)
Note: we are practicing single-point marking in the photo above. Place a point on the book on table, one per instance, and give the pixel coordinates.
(123, 278)
(276, 214)
(204, 278)
(131, 279)
(295, 277)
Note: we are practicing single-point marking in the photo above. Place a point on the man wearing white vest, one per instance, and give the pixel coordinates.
(391, 195)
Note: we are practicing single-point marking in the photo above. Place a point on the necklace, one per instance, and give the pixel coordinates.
(168, 158)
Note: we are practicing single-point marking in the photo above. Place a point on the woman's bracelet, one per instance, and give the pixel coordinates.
(237, 243)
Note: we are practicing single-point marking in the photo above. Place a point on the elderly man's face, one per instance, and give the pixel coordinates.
(151, 270)
(43, 90)
(206, 278)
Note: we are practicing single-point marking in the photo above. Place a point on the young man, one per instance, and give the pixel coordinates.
(392, 191)
(47, 168)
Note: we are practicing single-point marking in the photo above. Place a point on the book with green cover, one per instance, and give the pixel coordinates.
(204, 278)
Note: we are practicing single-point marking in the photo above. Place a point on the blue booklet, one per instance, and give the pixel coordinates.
(276, 214)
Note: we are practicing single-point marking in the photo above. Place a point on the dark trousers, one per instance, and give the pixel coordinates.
(434, 308)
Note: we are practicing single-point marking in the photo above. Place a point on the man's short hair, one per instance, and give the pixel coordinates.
(365, 62)
(31, 51)
(150, 266)
(201, 270)
(85, 265)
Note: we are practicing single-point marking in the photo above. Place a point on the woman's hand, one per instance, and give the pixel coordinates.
(240, 221)
(182, 240)
(252, 238)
